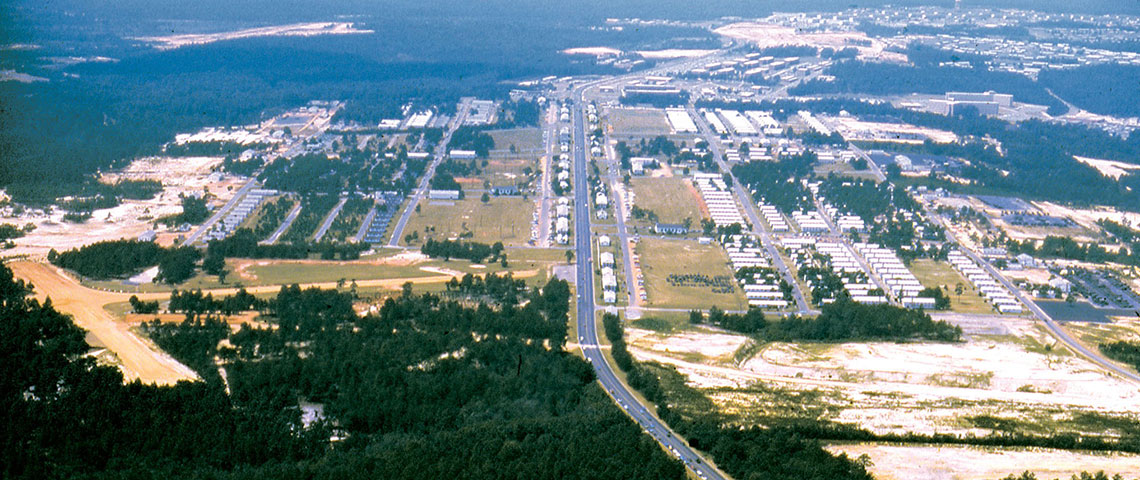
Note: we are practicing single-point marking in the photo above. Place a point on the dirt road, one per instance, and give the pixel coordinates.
(139, 360)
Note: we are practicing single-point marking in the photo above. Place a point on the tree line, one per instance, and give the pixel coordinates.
(840, 321)
(1054, 246)
(474, 251)
(123, 258)
(501, 289)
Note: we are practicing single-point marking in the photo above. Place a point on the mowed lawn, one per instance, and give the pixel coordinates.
(660, 258)
(505, 219)
(941, 274)
(649, 121)
(671, 198)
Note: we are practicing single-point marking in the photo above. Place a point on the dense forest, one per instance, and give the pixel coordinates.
(96, 115)
(1124, 352)
(244, 243)
(475, 390)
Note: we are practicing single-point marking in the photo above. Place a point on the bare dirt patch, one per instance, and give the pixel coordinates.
(171, 42)
(1009, 369)
(940, 462)
(138, 360)
(179, 176)
(766, 35)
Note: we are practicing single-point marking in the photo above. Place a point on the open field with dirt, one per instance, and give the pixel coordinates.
(933, 273)
(662, 258)
(171, 42)
(179, 176)
(502, 171)
(943, 462)
(638, 121)
(1008, 376)
(505, 219)
(765, 35)
(673, 199)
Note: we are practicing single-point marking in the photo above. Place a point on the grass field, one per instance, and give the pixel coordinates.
(505, 219)
(671, 198)
(283, 272)
(524, 139)
(639, 121)
(938, 274)
(660, 258)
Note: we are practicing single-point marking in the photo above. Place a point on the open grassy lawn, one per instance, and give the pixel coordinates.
(940, 274)
(660, 258)
(632, 121)
(284, 272)
(671, 198)
(199, 280)
(505, 219)
(525, 140)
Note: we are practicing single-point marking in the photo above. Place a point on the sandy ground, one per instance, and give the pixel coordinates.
(1108, 168)
(1004, 369)
(1088, 217)
(893, 462)
(674, 53)
(139, 361)
(767, 35)
(595, 51)
(709, 345)
(171, 42)
(179, 176)
(852, 128)
(138, 358)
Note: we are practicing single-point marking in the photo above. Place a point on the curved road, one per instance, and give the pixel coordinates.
(587, 329)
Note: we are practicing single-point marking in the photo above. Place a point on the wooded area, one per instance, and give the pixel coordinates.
(427, 388)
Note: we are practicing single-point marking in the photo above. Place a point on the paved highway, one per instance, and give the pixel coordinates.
(587, 330)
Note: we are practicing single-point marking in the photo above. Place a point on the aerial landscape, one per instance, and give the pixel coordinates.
(543, 240)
